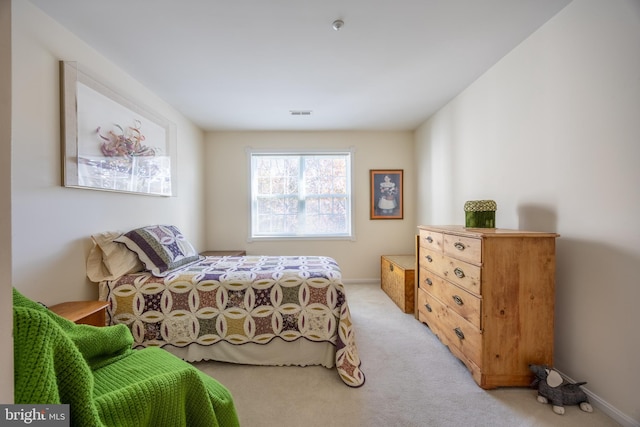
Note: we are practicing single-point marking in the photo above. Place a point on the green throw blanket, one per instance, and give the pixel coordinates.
(104, 381)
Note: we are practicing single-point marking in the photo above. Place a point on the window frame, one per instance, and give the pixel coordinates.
(349, 152)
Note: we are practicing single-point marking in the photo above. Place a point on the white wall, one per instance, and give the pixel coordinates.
(227, 196)
(51, 223)
(6, 317)
(552, 134)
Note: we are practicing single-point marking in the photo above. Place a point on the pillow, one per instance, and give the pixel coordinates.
(109, 260)
(161, 248)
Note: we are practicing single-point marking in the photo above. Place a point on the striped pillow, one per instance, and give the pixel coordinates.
(161, 248)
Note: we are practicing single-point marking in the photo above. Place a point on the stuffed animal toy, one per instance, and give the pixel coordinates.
(552, 388)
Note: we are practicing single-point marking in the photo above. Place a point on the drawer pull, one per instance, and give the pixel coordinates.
(458, 271)
(429, 258)
(459, 246)
(428, 307)
(429, 239)
(390, 267)
(459, 333)
(428, 282)
(458, 300)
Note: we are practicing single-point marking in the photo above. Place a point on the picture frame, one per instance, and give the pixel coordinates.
(111, 143)
(386, 193)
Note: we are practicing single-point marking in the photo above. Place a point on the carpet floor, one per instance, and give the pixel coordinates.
(411, 380)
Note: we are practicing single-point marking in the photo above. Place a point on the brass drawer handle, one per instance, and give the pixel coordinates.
(428, 307)
(459, 246)
(429, 258)
(459, 333)
(390, 267)
(458, 271)
(428, 282)
(429, 239)
(458, 300)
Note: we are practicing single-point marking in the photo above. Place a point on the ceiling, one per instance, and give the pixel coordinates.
(245, 64)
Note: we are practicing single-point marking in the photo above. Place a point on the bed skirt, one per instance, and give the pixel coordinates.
(276, 353)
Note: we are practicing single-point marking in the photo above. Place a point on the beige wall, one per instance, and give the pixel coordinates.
(227, 196)
(52, 224)
(552, 134)
(6, 351)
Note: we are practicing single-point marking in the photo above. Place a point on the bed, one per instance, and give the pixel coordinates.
(258, 310)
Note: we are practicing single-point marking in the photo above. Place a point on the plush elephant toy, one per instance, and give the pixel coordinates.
(553, 389)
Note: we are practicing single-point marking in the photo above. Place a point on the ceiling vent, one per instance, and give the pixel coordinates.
(300, 112)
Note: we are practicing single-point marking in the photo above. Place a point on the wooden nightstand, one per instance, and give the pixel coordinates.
(237, 252)
(83, 312)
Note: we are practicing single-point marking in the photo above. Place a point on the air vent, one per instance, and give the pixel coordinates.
(300, 112)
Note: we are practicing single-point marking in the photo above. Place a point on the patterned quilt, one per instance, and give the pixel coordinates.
(239, 300)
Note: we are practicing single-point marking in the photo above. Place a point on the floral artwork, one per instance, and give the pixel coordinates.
(127, 142)
(386, 194)
(111, 143)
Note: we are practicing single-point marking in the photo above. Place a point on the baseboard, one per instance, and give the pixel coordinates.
(604, 406)
(613, 412)
(361, 281)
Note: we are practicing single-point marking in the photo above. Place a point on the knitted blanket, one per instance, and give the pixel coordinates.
(104, 381)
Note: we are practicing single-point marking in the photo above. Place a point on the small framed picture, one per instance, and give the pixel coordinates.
(386, 193)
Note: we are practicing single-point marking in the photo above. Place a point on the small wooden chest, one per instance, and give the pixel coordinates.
(397, 278)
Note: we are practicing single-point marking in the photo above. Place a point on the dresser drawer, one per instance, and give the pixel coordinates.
(452, 329)
(429, 259)
(431, 240)
(459, 272)
(465, 304)
(464, 248)
(430, 310)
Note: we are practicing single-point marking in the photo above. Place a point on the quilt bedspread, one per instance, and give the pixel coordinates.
(240, 300)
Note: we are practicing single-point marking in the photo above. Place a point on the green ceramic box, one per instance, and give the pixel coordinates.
(480, 214)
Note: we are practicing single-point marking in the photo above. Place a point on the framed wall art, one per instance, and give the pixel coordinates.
(386, 193)
(111, 143)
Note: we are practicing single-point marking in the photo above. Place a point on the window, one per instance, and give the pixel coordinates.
(300, 194)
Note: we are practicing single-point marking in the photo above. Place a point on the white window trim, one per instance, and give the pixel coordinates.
(250, 151)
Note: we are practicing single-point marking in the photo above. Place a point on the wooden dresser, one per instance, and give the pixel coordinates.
(488, 294)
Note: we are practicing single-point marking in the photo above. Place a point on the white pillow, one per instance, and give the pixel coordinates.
(109, 260)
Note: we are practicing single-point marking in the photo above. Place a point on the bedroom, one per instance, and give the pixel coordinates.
(562, 161)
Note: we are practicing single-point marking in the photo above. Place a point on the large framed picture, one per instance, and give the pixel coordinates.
(110, 142)
(386, 193)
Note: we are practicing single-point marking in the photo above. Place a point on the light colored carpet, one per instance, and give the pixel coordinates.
(411, 380)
